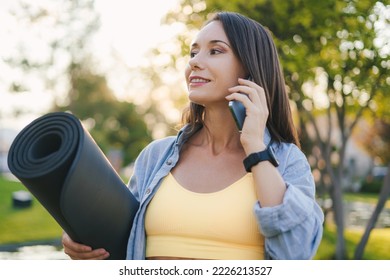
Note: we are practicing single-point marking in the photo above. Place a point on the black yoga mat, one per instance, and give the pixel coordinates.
(63, 167)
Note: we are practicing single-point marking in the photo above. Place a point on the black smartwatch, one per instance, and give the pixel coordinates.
(255, 158)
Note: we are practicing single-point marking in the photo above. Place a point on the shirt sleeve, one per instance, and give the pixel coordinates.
(293, 229)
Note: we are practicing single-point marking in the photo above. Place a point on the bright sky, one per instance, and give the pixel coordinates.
(131, 28)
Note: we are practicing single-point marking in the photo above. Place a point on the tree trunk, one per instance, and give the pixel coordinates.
(384, 194)
(338, 211)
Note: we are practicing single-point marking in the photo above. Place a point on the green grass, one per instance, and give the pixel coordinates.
(366, 197)
(378, 245)
(24, 224)
(377, 248)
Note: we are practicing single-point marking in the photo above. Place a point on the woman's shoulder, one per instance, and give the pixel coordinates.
(291, 158)
(289, 153)
(160, 145)
(288, 149)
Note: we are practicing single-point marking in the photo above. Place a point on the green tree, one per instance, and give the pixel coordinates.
(113, 124)
(62, 67)
(335, 59)
(376, 140)
(384, 194)
(48, 38)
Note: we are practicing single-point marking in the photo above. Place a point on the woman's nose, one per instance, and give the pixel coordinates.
(196, 62)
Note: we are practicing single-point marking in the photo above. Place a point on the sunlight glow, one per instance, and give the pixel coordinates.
(128, 30)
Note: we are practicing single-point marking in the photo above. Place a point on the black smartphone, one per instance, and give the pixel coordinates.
(238, 111)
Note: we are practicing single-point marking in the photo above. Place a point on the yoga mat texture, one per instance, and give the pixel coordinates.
(62, 166)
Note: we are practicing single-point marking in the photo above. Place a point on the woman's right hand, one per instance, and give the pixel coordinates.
(77, 251)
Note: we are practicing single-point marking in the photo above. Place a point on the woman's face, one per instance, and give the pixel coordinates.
(213, 67)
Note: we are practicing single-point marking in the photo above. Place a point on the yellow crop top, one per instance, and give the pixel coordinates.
(218, 225)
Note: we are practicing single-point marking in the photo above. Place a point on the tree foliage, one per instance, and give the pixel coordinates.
(53, 50)
(113, 124)
(375, 139)
(48, 37)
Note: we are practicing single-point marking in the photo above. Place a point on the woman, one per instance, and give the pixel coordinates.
(197, 198)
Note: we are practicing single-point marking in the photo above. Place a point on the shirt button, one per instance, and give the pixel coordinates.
(147, 191)
(169, 161)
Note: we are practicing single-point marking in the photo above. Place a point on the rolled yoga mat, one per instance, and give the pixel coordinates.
(63, 167)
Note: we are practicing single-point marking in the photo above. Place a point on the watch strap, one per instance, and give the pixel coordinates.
(255, 158)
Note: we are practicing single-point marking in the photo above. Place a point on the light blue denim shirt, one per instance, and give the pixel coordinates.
(292, 230)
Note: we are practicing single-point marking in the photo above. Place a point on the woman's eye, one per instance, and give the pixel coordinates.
(212, 52)
(215, 51)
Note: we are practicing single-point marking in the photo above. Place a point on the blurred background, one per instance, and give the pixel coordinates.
(118, 66)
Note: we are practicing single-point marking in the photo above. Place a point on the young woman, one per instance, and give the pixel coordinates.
(212, 191)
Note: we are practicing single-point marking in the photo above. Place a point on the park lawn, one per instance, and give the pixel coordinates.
(377, 248)
(378, 245)
(24, 224)
(364, 197)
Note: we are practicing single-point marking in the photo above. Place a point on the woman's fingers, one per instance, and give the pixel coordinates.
(74, 246)
(255, 92)
(77, 251)
(98, 254)
(252, 97)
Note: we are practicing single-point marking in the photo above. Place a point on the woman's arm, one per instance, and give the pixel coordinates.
(293, 229)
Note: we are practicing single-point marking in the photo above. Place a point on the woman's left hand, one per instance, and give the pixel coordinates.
(253, 98)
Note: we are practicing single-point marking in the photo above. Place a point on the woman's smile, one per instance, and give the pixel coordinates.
(196, 81)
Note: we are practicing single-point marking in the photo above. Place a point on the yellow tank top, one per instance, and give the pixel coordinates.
(218, 225)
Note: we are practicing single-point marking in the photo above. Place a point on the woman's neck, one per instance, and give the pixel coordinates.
(219, 133)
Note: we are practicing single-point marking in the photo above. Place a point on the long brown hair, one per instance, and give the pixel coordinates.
(254, 47)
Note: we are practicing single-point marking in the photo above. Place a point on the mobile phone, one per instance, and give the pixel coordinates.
(238, 111)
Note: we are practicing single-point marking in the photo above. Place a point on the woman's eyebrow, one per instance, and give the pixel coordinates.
(194, 45)
(219, 41)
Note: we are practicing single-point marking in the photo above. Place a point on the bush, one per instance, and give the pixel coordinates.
(371, 186)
